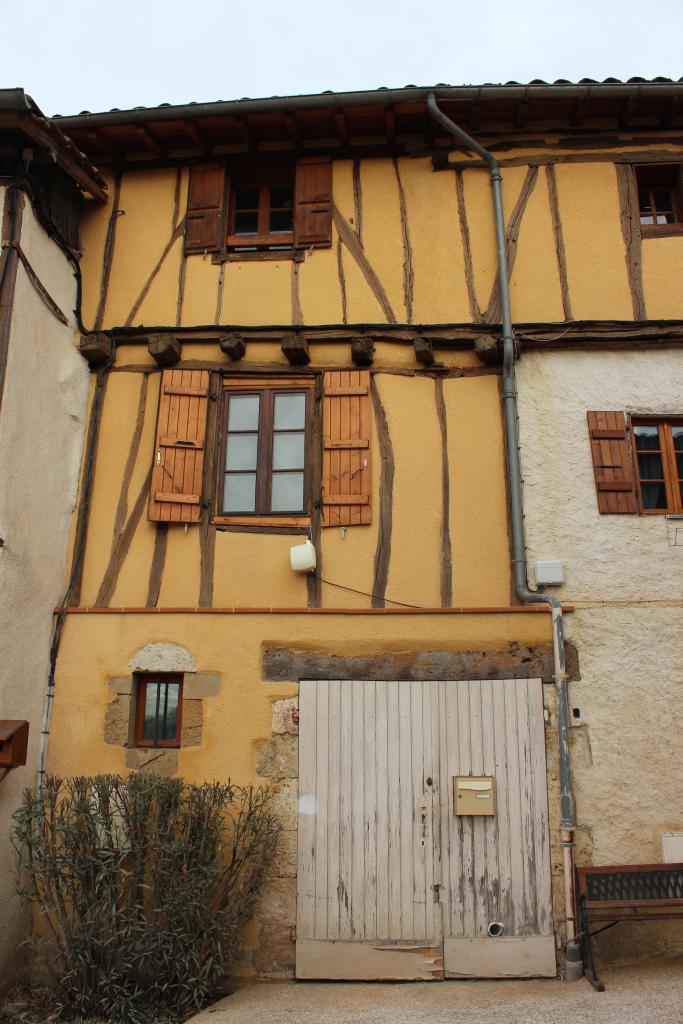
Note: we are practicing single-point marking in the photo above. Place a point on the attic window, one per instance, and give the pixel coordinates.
(659, 198)
(261, 212)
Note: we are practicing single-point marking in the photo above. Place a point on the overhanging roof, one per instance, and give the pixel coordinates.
(378, 119)
(23, 124)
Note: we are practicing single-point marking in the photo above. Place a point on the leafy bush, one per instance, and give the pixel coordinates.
(144, 884)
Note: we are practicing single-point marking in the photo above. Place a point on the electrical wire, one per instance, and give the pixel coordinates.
(364, 593)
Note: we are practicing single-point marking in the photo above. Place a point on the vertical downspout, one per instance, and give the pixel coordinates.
(519, 561)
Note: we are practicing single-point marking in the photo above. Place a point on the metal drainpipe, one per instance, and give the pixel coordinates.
(517, 513)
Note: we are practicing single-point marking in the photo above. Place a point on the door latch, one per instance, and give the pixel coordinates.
(435, 888)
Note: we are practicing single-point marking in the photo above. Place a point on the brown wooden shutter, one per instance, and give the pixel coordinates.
(313, 202)
(179, 450)
(612, 463)
(205, 203)
(346, 477)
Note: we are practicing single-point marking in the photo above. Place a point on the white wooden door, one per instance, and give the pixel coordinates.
(390, 883)
(496, 870)
(368, 853)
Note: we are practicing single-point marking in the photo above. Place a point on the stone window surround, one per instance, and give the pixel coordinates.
(119, 722)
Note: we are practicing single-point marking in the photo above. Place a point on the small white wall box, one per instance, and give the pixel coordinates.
(672, 847)
(302, 557)
(549, 573)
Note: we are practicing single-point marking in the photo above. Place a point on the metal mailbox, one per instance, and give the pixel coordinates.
(474, 794)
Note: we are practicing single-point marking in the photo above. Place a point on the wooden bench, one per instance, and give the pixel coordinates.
(624, 892)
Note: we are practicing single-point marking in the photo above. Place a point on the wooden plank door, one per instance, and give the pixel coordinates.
(496, 869)
(368, 851)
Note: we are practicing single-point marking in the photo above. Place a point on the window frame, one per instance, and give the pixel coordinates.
(264, 242)
(676, 188)
(272, 386)
(143, 680)
(672, 481)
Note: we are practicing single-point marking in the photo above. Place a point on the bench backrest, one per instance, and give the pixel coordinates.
(640, 889)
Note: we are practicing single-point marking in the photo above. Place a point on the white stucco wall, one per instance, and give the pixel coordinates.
(41, 435)
(625, 577)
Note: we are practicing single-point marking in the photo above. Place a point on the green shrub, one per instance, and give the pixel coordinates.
(144, 884)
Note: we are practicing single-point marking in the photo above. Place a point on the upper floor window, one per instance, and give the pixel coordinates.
(659, 197)
(261, 210)
(658, 450)
(638, 463)
(265, 464)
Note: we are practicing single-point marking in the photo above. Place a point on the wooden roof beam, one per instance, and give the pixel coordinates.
(580, 111)
(293, 129)
(342, 126)
(672, 110)
(99, 138)
(628, 109)
(475, 115)
(150, 140)
(390, 123)
(246, 134)
(70, 164)
(522, 114)
(197, 137)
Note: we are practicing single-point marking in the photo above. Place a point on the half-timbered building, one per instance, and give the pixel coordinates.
(299, 553)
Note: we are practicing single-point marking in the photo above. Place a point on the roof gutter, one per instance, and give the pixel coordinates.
(519, 560)
(387, 97)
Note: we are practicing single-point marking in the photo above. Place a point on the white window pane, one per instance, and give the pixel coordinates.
(288, 451)
(244, 410)
(288, 492)
(241, 451)
(239, 494)
(290, 412)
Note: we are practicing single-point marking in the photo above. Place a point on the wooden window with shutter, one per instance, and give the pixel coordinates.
(612, 463)
(265, 474)
(313, 202)
(204, 230)
(346, 478)
(175, 495)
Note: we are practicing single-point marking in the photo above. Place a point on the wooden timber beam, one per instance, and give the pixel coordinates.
(197, 137)
(293, 129)
(150, 140)
(342, 126)
(390, 123)
(246, 134)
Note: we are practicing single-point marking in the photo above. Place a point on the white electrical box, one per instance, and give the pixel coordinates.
(549, 573)
(672, 847)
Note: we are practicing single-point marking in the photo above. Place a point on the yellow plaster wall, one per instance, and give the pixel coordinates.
(143, 229)
(98, 647)
(415, 540)
(535, 292)
(119, 414)
(267, 292)
(662, 271)
(253, 293)
(438, 256)
(596, 268)
(94, 228)
(252, 570)
(478, 508)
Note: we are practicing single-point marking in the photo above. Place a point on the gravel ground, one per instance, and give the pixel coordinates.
(650, 993)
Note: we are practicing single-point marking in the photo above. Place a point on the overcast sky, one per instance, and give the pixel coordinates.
(72, 55)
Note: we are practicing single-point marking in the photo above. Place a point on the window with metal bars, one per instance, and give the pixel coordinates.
(158, 712)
